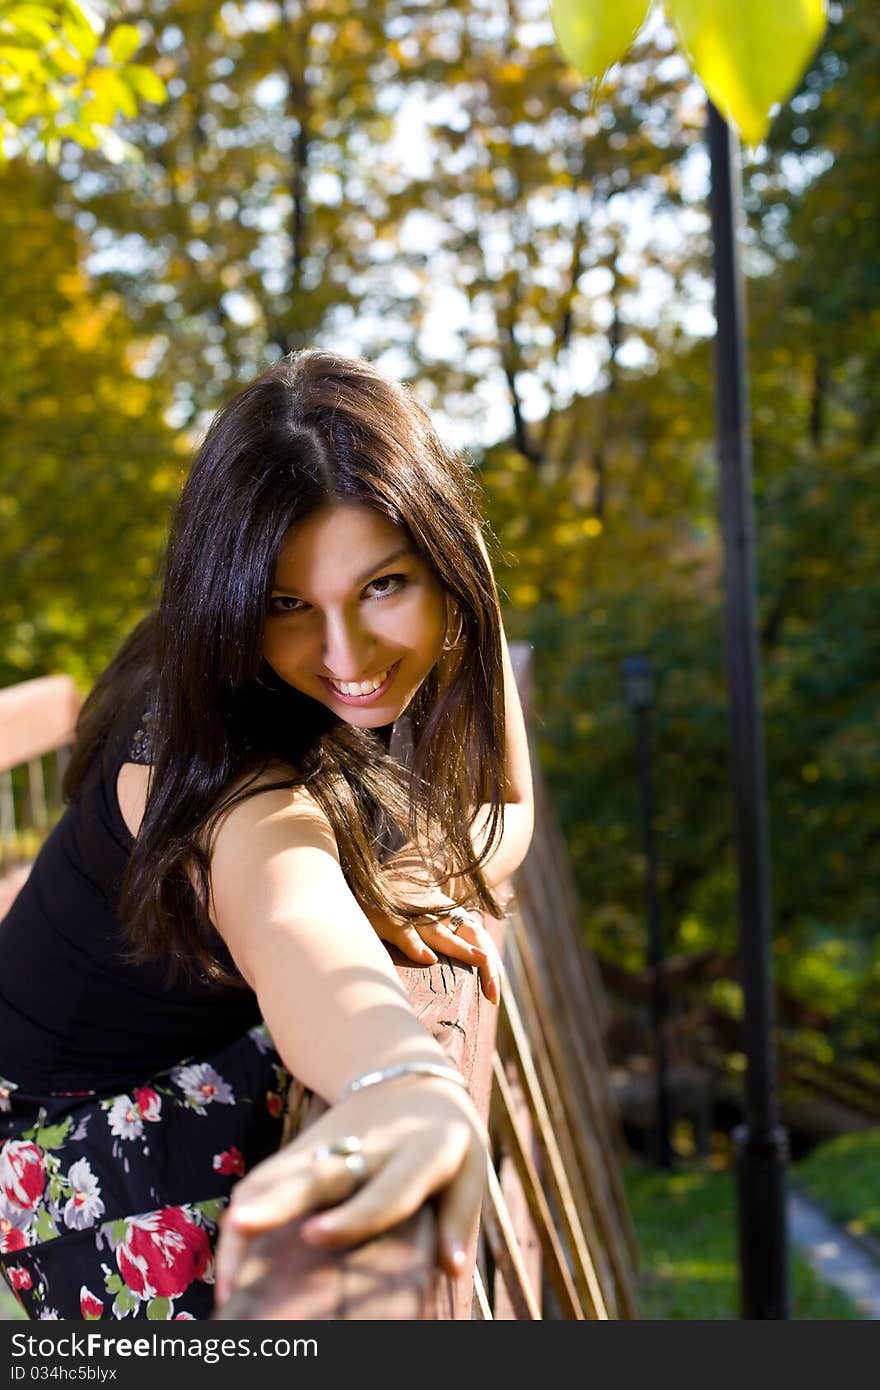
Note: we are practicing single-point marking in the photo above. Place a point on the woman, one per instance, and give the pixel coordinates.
(241, 831)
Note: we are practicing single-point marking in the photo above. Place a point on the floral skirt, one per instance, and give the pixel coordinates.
(109, 1205)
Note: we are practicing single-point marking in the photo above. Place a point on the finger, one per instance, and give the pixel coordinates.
(398, 1189)
(409, 940)
(227, 1259)
(321, 1183)
(458, 1211)
(442, 938)
(490, 965)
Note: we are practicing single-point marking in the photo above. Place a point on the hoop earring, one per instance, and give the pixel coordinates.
(451, 646)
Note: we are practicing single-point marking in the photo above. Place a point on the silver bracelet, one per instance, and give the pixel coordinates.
(397, 1069)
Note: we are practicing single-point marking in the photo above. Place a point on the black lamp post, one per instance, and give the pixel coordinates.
(638, 678)
(761, 1142)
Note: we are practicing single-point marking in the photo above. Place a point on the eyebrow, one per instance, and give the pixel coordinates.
(362, 579)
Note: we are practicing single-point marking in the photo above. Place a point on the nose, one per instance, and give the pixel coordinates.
(347, 648)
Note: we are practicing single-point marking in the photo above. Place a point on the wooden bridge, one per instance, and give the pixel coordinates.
(554, 1239)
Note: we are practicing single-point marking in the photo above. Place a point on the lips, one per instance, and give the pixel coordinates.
(370, 697)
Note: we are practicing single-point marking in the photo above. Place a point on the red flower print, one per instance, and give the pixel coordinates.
(10, 1238)
(231, 1161)
(148, 1103)
(274, 1104)
(19, 1277)
(163, 1253)
(22, 1177)
(90, 1307)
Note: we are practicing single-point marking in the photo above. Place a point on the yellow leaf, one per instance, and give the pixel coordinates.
(124, 42)
(751, 54)
(146, 83)
(593, 34)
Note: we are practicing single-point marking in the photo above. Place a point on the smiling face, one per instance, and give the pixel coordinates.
(356, 617)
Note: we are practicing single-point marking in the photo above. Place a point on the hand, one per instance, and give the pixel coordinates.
(420, 1136)
(462, 938)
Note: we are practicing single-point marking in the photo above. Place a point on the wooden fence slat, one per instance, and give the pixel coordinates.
(521, 1213)
(576, 1130)
(506, 1252)
(586, 1277)
(588, 1196)
(556, 1266)
(584, 1045)
(481, 1310)
(559, 961)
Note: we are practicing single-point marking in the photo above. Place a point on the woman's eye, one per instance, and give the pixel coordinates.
(389, 584)
(284, 603)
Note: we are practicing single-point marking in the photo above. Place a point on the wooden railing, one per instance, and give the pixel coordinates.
(554, 1239)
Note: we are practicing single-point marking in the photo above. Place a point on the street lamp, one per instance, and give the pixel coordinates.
(638, 678)
(761, 1143)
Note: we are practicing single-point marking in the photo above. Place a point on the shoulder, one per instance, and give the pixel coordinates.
(274, 863)
(262, 811)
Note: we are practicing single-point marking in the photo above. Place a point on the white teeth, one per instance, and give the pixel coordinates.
(360, 687)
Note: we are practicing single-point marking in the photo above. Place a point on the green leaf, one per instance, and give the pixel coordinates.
(52, 1136)
(159, 1309)
(116, 1230)
(593, 34)
(124, 1303)
(124, 41)
(749, 55)
(44, 1226)
(211, 1210)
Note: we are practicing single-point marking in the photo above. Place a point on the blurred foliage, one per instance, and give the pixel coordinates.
(66, 74)
(88, 467)
(432, 186)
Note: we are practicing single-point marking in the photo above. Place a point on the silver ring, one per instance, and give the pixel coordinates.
(460, 917)
(358, 1168)
(350, 1149)
(344, 1148)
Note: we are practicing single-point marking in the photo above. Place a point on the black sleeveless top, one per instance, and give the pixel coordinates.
(74, 1014)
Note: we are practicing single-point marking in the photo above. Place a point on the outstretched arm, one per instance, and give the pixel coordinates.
(336, 1009)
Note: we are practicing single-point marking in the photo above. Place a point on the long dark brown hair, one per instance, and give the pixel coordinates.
(315, 428)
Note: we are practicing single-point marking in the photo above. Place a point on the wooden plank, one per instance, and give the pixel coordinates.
(588, 1192)
(515, 1197)
(589, 1286)
(36, 717)
(390, 1278)
(570, 1003)
(506, 1252)
(504, 1113)
(582, 1154)
(481, 1309)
